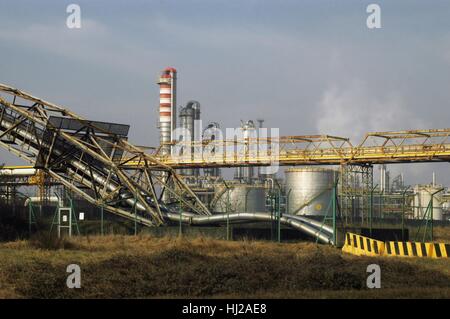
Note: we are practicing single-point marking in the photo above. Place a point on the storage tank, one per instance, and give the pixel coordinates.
(309, 190)
(446, 206)
(422, 197)
(242, 198)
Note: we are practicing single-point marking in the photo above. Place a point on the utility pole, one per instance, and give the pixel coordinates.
(403, 212)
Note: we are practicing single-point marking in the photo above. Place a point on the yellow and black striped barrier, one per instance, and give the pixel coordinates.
(441, 250)
(408, 249)
(364, 246)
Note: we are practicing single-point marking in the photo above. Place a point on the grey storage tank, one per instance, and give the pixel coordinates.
(309, 190)
(239, 198)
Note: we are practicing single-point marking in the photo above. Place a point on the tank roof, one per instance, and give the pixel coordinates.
(309, 169)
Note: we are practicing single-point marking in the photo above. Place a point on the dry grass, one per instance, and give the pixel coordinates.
(442, 234)
(148, 267)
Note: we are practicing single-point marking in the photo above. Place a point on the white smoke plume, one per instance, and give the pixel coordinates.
(352, 110)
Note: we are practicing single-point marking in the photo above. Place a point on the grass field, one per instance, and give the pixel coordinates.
(442, 234)
(168, 267)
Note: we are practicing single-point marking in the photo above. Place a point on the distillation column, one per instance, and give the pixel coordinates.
(189, 121)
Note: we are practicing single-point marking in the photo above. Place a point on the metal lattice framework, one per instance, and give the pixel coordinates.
(376, 148)
(91, 158)
(354, 192)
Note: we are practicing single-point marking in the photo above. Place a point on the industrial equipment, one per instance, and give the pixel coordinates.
(309, 190)
(236, 197)
(428, 200)
(95, 161)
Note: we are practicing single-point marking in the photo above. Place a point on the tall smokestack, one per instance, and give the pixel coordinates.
(167, 108)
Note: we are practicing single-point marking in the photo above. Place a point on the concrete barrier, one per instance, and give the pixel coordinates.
(362, 246)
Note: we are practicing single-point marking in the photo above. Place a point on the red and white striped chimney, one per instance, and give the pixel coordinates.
(167, 108)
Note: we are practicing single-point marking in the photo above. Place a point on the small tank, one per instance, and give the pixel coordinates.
(422, 198)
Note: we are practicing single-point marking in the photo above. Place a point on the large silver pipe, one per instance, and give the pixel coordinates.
(302, 226)
(17, 172)
(312, 222)
(38, 199)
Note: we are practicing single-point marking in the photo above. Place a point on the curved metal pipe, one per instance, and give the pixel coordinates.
(37, 199)
(302, 226)
(312, 222)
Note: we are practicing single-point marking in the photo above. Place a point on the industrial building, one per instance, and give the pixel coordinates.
(326, 185)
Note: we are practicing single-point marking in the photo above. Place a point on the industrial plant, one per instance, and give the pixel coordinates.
(85, 176)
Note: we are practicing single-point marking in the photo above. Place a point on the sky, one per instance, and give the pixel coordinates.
(306, 67)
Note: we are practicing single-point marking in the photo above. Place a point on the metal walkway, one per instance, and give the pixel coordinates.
(376, 148)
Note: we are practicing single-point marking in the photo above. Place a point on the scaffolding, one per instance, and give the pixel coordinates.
(355, 192)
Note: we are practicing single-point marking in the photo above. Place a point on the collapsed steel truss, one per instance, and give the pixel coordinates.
(90, 158)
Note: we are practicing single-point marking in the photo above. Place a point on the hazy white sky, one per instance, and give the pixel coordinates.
(306, 67)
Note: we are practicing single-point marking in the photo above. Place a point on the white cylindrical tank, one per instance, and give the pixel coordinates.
(422, 198)
(309, 190)
(239, 198)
